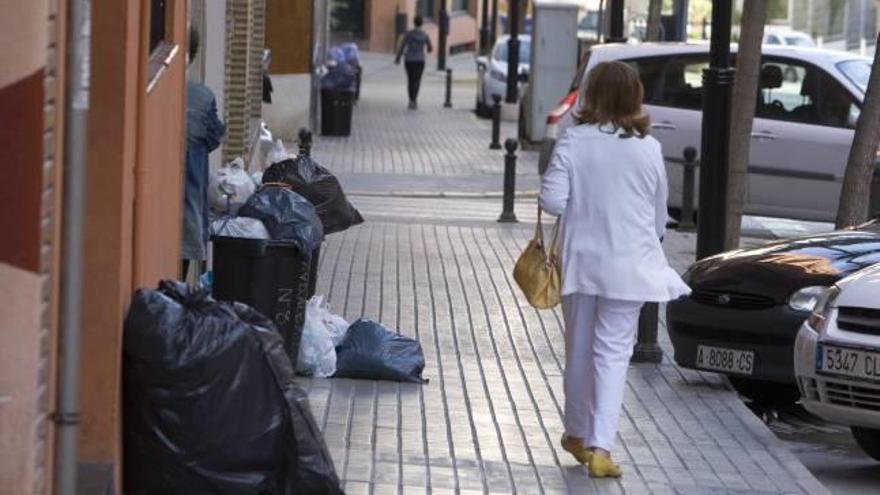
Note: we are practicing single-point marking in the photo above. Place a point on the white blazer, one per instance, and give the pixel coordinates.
(611, 192)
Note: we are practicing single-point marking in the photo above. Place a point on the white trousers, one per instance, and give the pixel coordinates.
(599, 338)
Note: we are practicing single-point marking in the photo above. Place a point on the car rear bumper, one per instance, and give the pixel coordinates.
(769, 333)
(833, 398)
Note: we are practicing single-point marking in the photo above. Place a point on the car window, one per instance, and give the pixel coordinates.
(524, 49)
(798, 41)
(672, 82)
(803, 93)
(857, 71)
(771, 39)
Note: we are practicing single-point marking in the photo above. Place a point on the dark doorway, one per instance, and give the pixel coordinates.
(347, 18)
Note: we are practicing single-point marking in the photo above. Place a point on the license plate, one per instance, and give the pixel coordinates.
(847, 361)
(723, 359)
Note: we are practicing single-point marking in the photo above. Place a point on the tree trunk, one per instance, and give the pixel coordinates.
(745, 93)
(856, 193)
(652, 31)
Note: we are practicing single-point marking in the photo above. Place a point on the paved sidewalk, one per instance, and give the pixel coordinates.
(439, 269)
(431, 149)
(489, 421)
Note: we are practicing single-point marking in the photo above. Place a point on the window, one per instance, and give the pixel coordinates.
(426, 8)
(459, 5)
(525, 48)
(857, 71)
(672, 82)
(802, 93)
(157, 22)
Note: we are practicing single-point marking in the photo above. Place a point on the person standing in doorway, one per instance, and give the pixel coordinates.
(412, 48)
(607, 181)
(204, 131)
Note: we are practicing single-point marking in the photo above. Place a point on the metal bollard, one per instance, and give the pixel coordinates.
(647, 350)
(496, 123)
(686, 223)
(448, 103)
(507, 214)
(305, 141)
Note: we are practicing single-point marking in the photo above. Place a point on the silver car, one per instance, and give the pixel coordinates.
(806, 111)
(837, 357)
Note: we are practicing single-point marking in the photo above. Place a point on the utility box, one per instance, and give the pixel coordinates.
(554, 60)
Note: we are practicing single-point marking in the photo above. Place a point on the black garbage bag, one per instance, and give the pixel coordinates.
(286, 215)
(373, 352)
(320, 187)
(210, 405)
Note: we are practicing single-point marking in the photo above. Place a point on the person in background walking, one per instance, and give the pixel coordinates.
(412, 49)
(204, 130)
(608, 182)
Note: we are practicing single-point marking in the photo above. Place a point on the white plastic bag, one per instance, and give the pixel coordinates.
(264, 145)
(278, 154)
(257, 177)
(248, 228)
(230, 187)
(322, 330)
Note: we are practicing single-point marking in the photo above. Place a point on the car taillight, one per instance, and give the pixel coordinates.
(564, 106)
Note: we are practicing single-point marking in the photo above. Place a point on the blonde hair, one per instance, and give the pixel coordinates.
(613, 96)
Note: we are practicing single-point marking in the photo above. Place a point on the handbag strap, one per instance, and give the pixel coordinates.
(539, 229)
(554, 240)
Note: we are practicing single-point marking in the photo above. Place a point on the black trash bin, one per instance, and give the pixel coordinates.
(336, 105)
(270, 276)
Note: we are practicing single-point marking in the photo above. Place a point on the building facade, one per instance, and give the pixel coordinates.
(377, 24)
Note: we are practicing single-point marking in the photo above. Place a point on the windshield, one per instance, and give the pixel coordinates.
(798, 41)
(857, 71)
(589, 22)
(524, 49)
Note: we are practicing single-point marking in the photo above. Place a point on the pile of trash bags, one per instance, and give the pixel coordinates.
(320, 187)
(210, 404)
(330, 347)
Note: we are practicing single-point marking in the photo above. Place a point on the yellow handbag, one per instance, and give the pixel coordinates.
(538, 272)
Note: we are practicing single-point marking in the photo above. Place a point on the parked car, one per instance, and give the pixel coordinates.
(786, 36)
(747, 306)
(801, 134)
(492, 71)
(837, 357)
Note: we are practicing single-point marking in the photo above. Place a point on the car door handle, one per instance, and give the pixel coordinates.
(763, 136)
(665, 126)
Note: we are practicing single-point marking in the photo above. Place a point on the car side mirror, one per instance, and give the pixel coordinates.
(523, 77)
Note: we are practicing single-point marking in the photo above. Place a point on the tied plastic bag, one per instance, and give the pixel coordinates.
(277, 154)
(230, 187)
(248, 228)
(210, 404)
(265, 144)
(320, 187)
(373, 352)
(322, 331)
(287, 216)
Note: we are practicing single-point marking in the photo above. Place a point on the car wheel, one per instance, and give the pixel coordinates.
(764, 392)
(868, 439)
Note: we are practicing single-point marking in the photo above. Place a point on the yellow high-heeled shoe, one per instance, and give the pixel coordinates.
(575, 447)
(603, 467)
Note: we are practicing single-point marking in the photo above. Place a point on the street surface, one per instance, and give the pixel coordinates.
(432, 263)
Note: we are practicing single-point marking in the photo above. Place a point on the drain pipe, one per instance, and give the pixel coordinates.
(76, 106)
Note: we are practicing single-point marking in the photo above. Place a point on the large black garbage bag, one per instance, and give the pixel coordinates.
(373, 352)
(286, 215)
(320, 187)
(210, 405)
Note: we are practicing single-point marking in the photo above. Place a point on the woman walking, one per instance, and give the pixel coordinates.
(412, 49)
(607, 180)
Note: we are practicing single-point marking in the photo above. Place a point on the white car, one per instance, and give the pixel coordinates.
(837, 357)
(492, 71)
(807, 108)
(786, 36)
